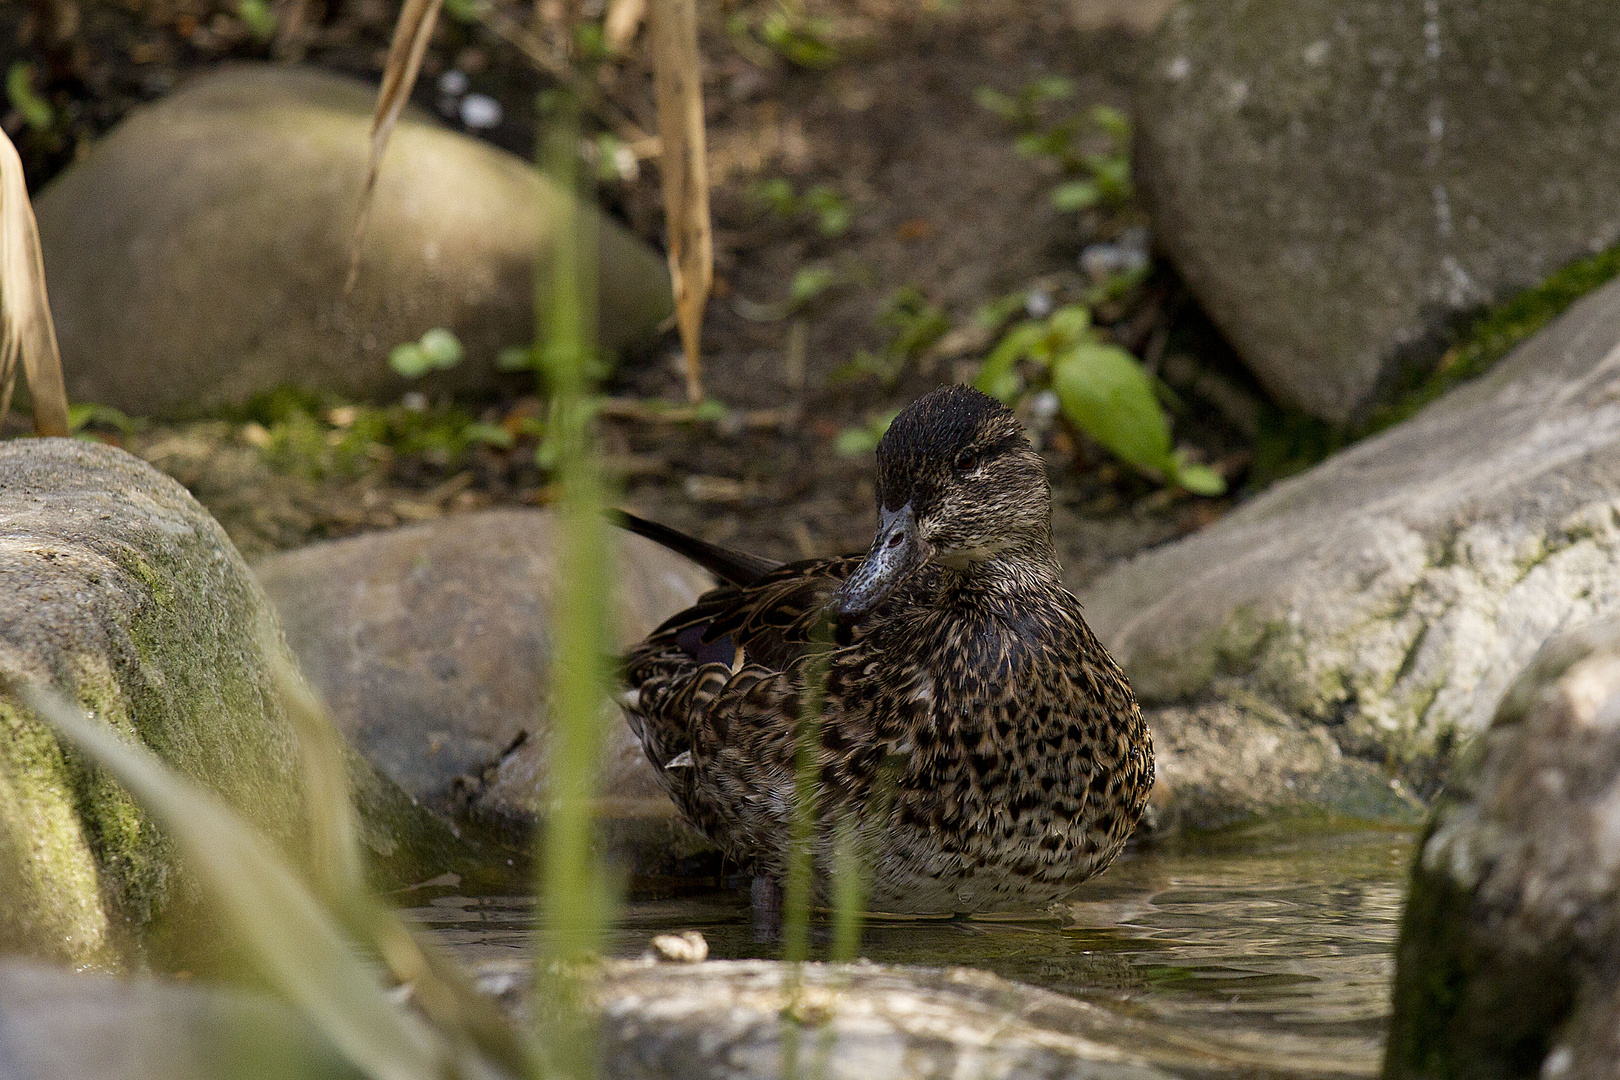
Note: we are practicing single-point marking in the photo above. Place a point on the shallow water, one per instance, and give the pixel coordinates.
(1276, 955)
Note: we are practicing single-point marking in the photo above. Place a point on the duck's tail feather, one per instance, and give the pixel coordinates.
(732, 567)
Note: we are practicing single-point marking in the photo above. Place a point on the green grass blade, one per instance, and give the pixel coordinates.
(295, 944)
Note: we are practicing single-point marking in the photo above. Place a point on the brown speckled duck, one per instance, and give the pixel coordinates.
(983, 743)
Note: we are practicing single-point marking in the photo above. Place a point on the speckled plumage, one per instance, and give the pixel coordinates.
(975, 731)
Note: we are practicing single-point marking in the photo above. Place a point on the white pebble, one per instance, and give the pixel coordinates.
(453, 83)
(480, 111)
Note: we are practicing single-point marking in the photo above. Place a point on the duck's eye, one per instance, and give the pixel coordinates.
(968, 460)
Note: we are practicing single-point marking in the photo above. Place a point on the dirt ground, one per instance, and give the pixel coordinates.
(937, 199)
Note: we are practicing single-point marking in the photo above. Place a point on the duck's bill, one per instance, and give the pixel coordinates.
(895, 555)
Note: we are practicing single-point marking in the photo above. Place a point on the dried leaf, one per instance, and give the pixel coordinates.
(411, 35)
(27, 334)
(678, 77)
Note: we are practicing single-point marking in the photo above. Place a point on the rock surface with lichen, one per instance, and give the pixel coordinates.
(1365, 617)
(198, 254)
(432, 643)
(1511, 935)
(1340, 182)
(120, 592)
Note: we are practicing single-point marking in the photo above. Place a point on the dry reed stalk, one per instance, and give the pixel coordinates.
(624, 19)
(27, 334)
(678, 77)
(411, 35)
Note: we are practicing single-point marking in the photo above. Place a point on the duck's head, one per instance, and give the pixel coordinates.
(957, 484)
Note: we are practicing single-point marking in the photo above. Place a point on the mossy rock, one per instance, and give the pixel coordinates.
(121, 593)
(197, 255)
(1511, 935)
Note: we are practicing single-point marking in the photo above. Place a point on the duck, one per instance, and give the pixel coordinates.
(972, 736)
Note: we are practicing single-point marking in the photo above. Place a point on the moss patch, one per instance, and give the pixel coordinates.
(1290, 442)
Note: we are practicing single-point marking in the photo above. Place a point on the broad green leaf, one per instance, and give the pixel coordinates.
(295, 943)
(1104, 391)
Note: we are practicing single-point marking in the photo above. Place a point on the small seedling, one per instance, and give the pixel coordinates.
(786, 30)
(1101, 389)
(822, 203)
(916, 324)
(438, 349)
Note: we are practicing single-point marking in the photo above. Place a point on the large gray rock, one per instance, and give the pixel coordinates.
(1339, 181)
(1379, 603)
(1511, 936)
(431, 645)
(123, 594)
(198, 253)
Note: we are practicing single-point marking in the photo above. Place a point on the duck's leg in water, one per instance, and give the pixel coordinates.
(766, 902)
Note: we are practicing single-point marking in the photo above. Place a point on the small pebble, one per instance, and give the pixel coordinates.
(453, 83)
(480, 111)
(1038, 304)
(687, 947)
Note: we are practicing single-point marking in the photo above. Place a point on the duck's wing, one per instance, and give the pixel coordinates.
(751, 633)
(730, 566)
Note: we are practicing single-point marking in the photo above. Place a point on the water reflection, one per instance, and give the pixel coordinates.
(1277, 956)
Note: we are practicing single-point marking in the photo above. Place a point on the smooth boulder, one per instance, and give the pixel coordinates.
(431, 646)
(198, 253)
(122, 594)
(1339, 182)
(1511, 935)
(1372, 610)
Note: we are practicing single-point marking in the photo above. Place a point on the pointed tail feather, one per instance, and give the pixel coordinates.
(732, 567)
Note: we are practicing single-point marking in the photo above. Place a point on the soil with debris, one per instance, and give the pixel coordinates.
(934, 212)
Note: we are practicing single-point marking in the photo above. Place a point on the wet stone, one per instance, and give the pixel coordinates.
(431, 646)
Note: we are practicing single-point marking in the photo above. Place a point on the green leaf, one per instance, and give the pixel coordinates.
(710, 410)
(1052, 88)
(832, 211)
(492, 434)
(258, 18)
(998, 375)
(997, 102)
(809, 283)
(1105, 392)
(441, 347)
(1115, 123)
(853, 442)
(1075, 195)
(409, 360)
(515, 358)
(1069, 324)
(1199, 479)
(35, 110)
